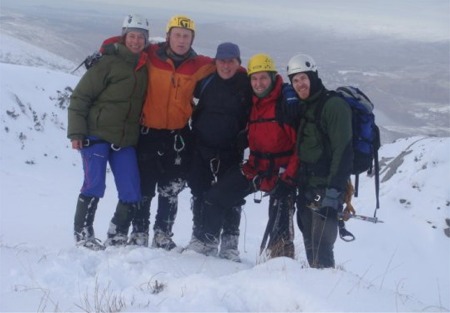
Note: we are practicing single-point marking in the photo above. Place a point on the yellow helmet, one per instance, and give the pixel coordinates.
(180, 21)
(260, 63)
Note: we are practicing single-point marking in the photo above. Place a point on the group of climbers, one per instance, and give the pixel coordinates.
(134, 109)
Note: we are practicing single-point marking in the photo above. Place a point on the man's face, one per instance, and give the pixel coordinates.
(180, 40)
(226, 68)
(301, 84)
(260, 82)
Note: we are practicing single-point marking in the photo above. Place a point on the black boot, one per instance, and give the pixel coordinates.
(229, 239)
(164, 220)
(83, 223)
(120, 223)
(141, 223)
(212, 226)
(198, 242)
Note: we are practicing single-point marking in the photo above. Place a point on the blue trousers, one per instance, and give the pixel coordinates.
(123, 164)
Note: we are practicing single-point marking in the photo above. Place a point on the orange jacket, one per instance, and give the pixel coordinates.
(170, 90)
(169, 100)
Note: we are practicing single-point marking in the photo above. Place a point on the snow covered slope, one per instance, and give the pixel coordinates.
(398, 265)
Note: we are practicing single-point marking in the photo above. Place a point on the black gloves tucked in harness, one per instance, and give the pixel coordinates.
(282, 189)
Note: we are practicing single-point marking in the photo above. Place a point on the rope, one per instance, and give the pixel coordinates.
(349, 209)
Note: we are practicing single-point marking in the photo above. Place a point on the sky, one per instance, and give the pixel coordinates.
(400, 265)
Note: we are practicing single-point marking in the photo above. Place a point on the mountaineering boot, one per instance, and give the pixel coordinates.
(83, 223)
(120, 223)
(138, 239)
(197, 226)
(206, 247)
(141, 223)
(163, 240)
(281, 247)
(230, 235)
(207, 241)
(164, 220)
(229, 248)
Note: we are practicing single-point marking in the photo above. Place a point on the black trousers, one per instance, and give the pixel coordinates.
(230, 191)
(164, 161)
(209, 166)
(319, 233)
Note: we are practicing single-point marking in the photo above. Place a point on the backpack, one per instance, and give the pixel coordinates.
(366, 134)
(89, 61)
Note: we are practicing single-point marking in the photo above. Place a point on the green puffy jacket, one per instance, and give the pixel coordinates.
(326, 154)
(107, 102)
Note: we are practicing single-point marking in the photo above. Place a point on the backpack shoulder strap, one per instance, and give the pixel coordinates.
(319, 109)
(201, 88)
(317, 117)
(204, 83)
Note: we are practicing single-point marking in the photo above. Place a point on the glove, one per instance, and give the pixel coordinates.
(291, 104)
(331, 203)
(281, 189)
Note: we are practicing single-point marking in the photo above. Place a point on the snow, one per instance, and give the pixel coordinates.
(401, 264)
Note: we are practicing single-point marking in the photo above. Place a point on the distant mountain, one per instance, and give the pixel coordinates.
(407, 79)
(15, 51)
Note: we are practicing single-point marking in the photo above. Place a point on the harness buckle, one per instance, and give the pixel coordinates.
(86, 142)
(115, 148)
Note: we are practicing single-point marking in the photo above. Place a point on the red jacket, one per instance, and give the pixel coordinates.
(272, 145)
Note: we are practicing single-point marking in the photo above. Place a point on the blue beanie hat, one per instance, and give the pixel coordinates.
(228, 50)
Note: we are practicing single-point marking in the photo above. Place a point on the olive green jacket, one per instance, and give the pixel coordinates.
(326, 154)
(107, 102)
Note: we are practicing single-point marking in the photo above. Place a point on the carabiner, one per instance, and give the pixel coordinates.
(214, 168)
(115, 148)
(144, 130)
(175, 143)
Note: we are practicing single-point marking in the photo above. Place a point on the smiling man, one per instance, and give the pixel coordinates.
(220, 116)
(326, 156)
(271, 166)
(164, 142)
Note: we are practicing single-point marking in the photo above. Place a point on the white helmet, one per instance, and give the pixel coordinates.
(301, 63)
(135, 21)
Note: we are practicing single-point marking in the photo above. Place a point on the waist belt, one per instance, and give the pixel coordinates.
(267, 155)
(90, 142)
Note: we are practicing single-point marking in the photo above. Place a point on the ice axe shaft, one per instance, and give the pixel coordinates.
(361, 217)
